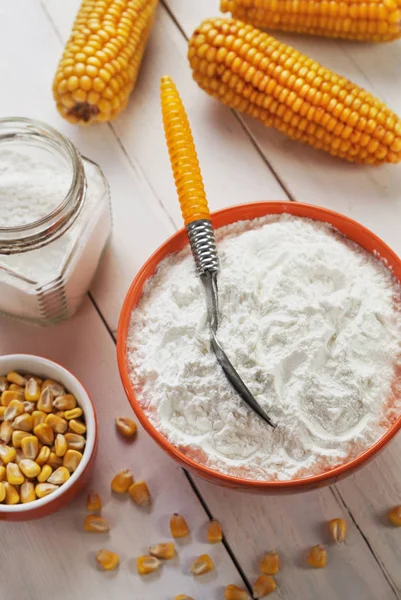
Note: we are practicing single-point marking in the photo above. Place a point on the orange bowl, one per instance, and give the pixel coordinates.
(352, 230)
(47, 369)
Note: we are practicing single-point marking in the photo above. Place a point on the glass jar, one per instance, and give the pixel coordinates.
(55, 222)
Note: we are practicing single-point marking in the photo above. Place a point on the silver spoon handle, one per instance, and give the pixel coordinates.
(203, 245)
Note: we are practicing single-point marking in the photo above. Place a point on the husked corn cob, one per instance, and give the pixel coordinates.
(249, 70)
(101, 60)
(371, 20)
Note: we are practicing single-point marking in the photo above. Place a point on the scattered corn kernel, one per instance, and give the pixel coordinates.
(201, 565)
(45, 402)
(32, 390)
(54, 461)
(14, 475)
(45, 473)
(3, 384)
(71, 460)
(27, 492)
(43, 489)
(165, 551)
(38, 417)
(107, 560)
(317, 558)
(96, 524)
(9, 395)
(57, 424)
(214, 532)
(127, 427)
(93, 501)
(65, 402)
(23, 422)
(74, 413)
(2, 491)
(233, 592)
(7, 454)
(270, 564)
(43, 455)
(56, 388)
(338, 529)
(29, 468)
(77, 426)
(2, 473)
(394, 516)
(147, 564)
(30, 446)
(12, 495)
(44, 433)
(6, 431)
(183, 597)
(15, 408)
(59, 476)
(178, 526)
(140, 494)
(264, 586)
(29, 407)
(14, 377)
(60, 445)
(122, 481)
(75, 441)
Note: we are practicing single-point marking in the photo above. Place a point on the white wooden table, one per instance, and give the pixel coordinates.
(242, 161)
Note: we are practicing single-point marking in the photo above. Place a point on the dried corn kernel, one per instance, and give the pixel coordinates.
(32, 390)
(201, 565)
(147, 564)
(27, 492)
(30, 446)
(127, 427)
(165, 551)
(2, 411)
(183, 597)
(74, 413)
(60, 445)
(54, 461)
(44, 433)
(14, 377)
(122, 481)
(12, 495)
(7, 454)
(233, 592)
(9, 395)
(77, 426)
(43, 489)
(45, 402)
(38, 417)
(140, 494)
(2, 491)
(338, 529)
(45, 473)
(2, 473)
(29, 407)
(263, 586)
(317, 558)
(394, 516)
(96, 524)
(56, 388)
(71, 460)
(65, 402)
(59, 476)
(93, 501)
(14, 475)
(3, 384)
(270, 564)
(43, 455)
(23, 422)
(6, 431)
(214, 532)
(107, 560)
(15, 387)
(29, 467)
(57, 424)
(15, 408)
(75, 441)
(60, 413)
(18, 436)
(178, 526)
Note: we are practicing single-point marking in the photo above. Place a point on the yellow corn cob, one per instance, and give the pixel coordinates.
(101, 60)
(370, 20)
(254, 73)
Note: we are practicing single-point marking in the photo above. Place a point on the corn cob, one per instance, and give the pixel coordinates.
(101, 60)
(254, 73)
(370, 20)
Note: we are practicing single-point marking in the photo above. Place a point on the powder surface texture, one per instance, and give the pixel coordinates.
(311, 322)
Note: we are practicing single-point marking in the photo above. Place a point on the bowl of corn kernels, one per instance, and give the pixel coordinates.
(48, 437)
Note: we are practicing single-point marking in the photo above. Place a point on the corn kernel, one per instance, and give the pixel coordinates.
(93, 501)
(14, 377)
(57, 424)
(56, 388)
(18, 436)
(60, 445)
(65, 402)
(263, 586)
(43, 489)
(12, 495)
(71, 460)
(394, 515)
(183, 597)
(43, 456)
(38, 417)
(27, 492)
(77, 426)
(201, 565)
(122, 481)
(178, 526)
(147, 564)
(59, 476)
(45, 402)
(96, 524)
(19, 456)
(107, 560)
(2, 473)
(45, 473)
(126, 427)
(140, 494)
(74, 413)
(75, 441)
(214, 532)
(16, 388)
(32, 390)
(60, 413)
(317, 558)
(3, 384)
(9, 395)
(29, 467)
(2, 491)
(29, 407)
(14, 475)
(6, 431)
(7, 454)
(338, 529)
(233, 592)
(270, 564)
(30, 446)
(2, 411)
(14, 409)
(54, 461)
(44, 433)
(23, 422)
(165, 551)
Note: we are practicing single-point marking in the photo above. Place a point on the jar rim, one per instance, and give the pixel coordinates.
(36, 234)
